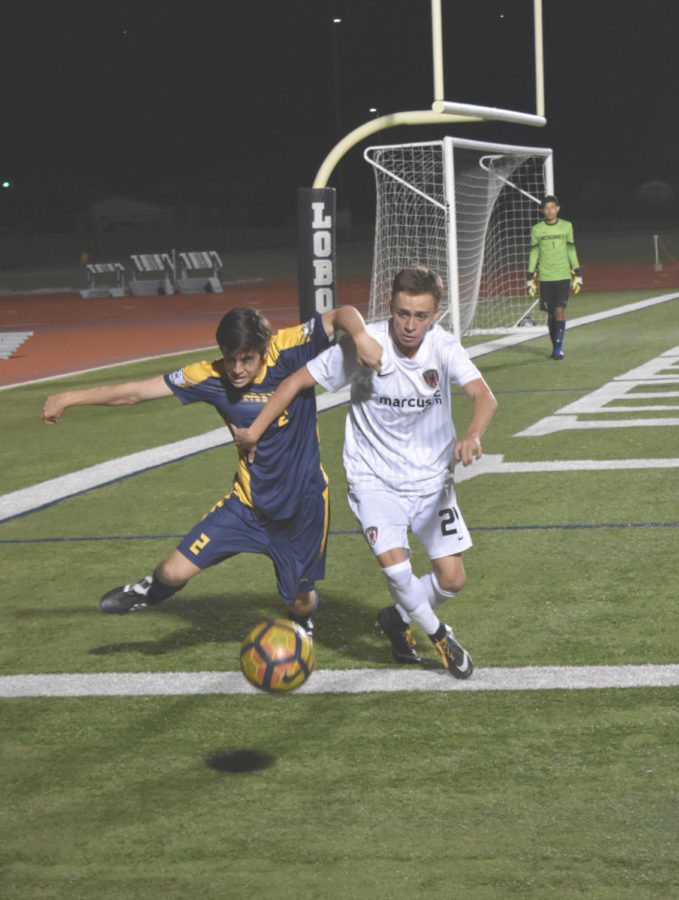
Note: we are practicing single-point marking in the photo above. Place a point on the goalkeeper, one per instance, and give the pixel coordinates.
(553, 261)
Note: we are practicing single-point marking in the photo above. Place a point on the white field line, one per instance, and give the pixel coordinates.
(36, 496)
(116, 365)
(493, 464)
(541, 331)
(478, 350)
(46, 492)
(43, 494)
(341, 681)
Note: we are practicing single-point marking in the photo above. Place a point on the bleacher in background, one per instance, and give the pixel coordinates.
(104, 280)
(200, 271)
(153, 273)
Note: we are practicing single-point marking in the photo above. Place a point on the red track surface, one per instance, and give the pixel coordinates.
(71, 333)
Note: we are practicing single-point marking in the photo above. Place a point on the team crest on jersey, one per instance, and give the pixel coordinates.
(308, 328)
(431, 376)
(178, 378)
(371, 535)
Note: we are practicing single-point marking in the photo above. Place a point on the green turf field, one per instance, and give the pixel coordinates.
(544, 794)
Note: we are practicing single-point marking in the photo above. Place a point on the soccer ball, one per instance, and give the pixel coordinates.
(277, 655)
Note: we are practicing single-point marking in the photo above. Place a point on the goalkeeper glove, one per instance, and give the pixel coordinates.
(532, 285)
(576, 281)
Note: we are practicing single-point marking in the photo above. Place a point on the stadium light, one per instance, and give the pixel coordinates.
(6, 184)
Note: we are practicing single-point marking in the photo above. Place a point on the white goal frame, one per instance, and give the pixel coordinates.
(463, 237)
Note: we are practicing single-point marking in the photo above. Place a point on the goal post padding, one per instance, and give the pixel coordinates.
(465, 209)
(316, 250)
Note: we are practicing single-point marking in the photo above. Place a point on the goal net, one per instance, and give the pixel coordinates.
(465, 209)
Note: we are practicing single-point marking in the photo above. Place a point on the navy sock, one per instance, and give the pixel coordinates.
(160, 591)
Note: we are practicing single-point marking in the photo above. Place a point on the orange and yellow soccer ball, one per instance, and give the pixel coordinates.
(277, 655)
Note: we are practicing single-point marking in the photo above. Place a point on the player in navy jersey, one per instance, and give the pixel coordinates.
(400, 447)
(279, 502)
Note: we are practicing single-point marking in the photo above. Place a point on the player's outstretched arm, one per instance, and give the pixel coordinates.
(483, 409)
(349, 319)
(126, 394)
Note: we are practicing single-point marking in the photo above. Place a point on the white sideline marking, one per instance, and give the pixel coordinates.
(36, 496)
(46, 492)
(552, 424)
(513, 339)
(341, 681)
(654, 375)
(479, 350)
(493, 464)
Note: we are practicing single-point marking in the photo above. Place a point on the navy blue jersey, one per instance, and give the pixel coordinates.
(287, 465)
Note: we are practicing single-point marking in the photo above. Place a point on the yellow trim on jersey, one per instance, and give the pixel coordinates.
(282, 340)
(326, 518)
(195, 373)
(242, 488)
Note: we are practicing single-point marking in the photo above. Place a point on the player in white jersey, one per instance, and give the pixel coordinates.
(399, 451)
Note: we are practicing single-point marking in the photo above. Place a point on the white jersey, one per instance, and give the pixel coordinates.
(399, 430)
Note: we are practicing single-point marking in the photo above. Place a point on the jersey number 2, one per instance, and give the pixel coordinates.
(448, 518)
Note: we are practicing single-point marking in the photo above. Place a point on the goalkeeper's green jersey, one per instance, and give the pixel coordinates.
(552, 250)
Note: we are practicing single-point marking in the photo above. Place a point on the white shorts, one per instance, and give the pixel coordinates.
(386, 517)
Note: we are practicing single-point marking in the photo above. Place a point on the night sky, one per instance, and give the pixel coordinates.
(235, 103)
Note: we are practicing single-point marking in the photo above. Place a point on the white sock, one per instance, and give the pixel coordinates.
(409, 596)
(433, 591)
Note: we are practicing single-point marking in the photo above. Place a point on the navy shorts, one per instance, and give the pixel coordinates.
(296, 546)
(553, 294)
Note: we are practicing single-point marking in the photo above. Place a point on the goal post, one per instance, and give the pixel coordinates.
(464, 208)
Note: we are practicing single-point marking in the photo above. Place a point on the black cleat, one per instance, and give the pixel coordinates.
(126, 599)
(400, 635)
(305, 622)
(455, 658)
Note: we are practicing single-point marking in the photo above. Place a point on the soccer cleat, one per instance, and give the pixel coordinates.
(400, 635)
(558, 353)
(126, 599)
(305, 622)
(455, 658)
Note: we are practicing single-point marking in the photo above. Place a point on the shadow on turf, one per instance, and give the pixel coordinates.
(239, 760)
(341, 625)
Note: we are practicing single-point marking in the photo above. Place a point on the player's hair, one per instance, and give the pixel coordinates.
(243, 329)
(550, 198)
(418, 280)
